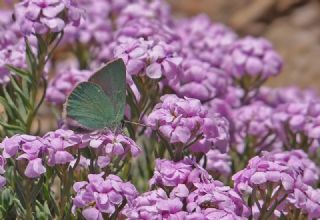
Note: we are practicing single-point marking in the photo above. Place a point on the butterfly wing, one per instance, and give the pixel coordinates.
(112, 79)
(89, 107)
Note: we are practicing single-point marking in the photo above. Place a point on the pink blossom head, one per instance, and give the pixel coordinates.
(94, 32)
(27, 149)
(205, 40)
(59, 144)
(277, 96)
(305, 199)
(201, 81)
(137, 9)
(301, 119)
(182, 120)
(110, 145)
(253, 57)
(169, 173)
(44, 16)
(299, 160)
(264, 170)
(216, 200)
(102, 195)
(153, 205)
(149, 58)
(218, 164)
(254, 122)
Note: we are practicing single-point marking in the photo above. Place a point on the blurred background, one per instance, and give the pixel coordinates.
(293, 26)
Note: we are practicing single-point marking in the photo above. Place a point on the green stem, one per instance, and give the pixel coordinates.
(65, 187)
(29, 211)
(29, 203)
(270, 199)
(82, 55)
(43, 58)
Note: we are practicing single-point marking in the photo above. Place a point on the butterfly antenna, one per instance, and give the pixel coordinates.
(134, 123)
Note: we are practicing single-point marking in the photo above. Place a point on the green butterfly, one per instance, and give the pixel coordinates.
(100, 102)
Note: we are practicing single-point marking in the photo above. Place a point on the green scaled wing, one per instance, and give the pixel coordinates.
(112, 79)
(89, 107)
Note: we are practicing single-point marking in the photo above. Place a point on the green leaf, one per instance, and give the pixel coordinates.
(49, 198)
(42, 211)
(12, 105)
(99, 103)
(6, 198)
(25, 99)
(6, 107)
(11, 127)
(22, 73)
(20, 194)
(53, 36)
(112, 79)
(31, 59)
(36, 189)
(42, 46)
(88, 107)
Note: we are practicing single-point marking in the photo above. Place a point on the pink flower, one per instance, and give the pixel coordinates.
(101, 195)
(57, 144)
(217, 201)
(153, 205)
(183, 121)
(43, 16)
(110, 145)
(253, 57)
(34, 168)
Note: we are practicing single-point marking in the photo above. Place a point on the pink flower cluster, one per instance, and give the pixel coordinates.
(109, 145)
(253, 57)
(43, 16)
(204, 201)
(149, 57)
(300, 118)
(205, 40)
(254, 122)
(273, 176)
(186, 121)
(169, 174)
(60, 147)
(102, 195)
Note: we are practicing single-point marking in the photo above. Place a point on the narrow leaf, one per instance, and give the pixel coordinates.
(22, 73)
(12, 104)
(31, 59)
(6, 107)
(20, 92)
(42, 46)
(12, 127)
(36, 189)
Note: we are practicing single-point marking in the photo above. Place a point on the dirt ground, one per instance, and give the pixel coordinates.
(293, 26)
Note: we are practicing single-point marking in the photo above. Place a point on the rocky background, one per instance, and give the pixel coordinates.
(293, 26)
